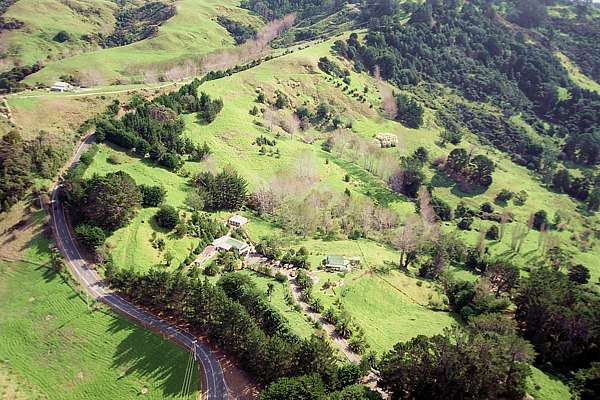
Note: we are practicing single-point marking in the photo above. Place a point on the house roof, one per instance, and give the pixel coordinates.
(61, 85)
(336, 260)
(228, 243)
(238, 219)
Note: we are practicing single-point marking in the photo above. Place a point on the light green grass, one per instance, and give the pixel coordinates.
(387, 315)
(550, 387)
(56, 347)
(576, 75)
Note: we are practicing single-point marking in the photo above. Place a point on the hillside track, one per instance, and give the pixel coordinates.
(214, 386)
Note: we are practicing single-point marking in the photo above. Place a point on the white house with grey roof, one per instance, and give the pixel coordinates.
(61, 87)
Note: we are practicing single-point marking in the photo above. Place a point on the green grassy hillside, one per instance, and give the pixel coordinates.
(55, 346)
(191, 33)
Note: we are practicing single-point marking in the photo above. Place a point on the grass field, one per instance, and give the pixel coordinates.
(54, 346)
(390, 308)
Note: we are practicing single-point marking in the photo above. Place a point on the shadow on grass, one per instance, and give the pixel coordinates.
(440, 180)
(153, 358)
(475, 192)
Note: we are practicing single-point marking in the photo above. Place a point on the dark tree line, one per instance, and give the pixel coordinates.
(273, 9)
(10, 81)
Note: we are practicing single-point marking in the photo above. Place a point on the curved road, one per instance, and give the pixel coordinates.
(215, 387)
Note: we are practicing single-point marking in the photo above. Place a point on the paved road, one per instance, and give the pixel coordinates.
(215, 387)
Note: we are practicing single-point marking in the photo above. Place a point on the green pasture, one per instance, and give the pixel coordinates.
(56, 345)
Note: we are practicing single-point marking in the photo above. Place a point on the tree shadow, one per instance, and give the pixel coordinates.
(153, 358)
(475, 192)
(440, 180)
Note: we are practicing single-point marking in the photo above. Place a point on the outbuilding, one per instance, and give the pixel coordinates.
(61, 87)
(237, 221)
(337, 264)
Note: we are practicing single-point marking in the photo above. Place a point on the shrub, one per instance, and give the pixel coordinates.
(492, 233)
(504, 195)
(487, 207)
(520, 198)
(90, 236)
(539, 220)
(465, 223)
(152, 196)
(62, 36)
(116, 159)
(167, 217)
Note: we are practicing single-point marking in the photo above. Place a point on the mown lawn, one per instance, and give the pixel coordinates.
(54, 346)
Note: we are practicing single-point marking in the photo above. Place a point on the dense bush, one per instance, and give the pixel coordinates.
(167, 217)
(152, 196)
(89, 235)
(223, 191)
(137, 23)
(466, 47)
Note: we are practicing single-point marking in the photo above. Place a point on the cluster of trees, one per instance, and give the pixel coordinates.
(237, 317)
(226, 190)
(240, 32)
(330, 67)
(409, 111)
(108, 202)
(560, 317)
(409, 177)
(470, 172)
(485, 360)
(155, 128)
(293, 201)
(10, 81)
(186, 101)
(584, 188)
(23, 160)
(133, 24)
(272, 249)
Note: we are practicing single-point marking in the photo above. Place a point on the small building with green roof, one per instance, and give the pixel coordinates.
(336, 263)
